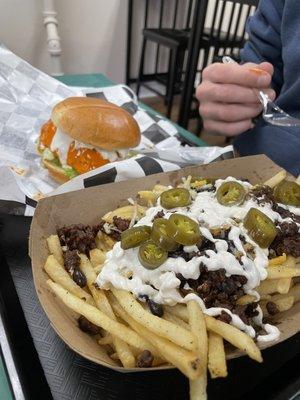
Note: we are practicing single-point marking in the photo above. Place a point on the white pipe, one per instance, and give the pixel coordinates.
(53, 40)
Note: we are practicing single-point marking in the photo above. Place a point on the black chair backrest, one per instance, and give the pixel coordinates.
(227, 24)
(218, 28)
(169, 13)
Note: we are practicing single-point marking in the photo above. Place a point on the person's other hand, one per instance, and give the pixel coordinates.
(228, 95)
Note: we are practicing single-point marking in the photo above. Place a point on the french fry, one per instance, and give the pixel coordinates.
(59, 275)
(247, 299)
(100, 319)
(184, 360)
(115, 356)
(234, 336)
(295, 291)
(283, 302)
(179, 310)
(276, 179)
(98, 268)
(148, 196)
(198, 328)
(55, 248)
(270, 286)
(198, 388)
(281, 271)
(298, 180)
(97, 257)
(106, 340)
(284, 285)
(216, 356)
(104, 242)
(125, 212)
(157, 325)
(277, 260)
(177, 321)
(123, 350)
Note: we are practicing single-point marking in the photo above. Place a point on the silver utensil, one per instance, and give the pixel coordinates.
(271, 112)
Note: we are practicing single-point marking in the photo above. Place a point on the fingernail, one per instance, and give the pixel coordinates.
(263, 78)
(258, 71)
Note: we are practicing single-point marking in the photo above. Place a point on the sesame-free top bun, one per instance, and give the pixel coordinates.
(96, 122)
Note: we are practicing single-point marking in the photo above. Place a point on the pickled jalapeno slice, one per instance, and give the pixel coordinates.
(183, 230)
(177, 197)
(260, 227)
(287, 192)
(160, 237)
(151, 255)
(133, 237)
(231, 193)
(198, 181)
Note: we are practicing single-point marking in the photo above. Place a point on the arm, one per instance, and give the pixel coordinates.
(264, 44)
(228, 102)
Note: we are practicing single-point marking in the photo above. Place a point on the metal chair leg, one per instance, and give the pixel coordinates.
(141, 69)
(171, 80)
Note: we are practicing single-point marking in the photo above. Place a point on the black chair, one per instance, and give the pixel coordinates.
(216, 38)
(171, 37)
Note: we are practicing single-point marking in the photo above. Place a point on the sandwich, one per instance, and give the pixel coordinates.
(85, 133)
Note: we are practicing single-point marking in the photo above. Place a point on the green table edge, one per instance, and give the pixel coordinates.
(100, 80)
(5, 389)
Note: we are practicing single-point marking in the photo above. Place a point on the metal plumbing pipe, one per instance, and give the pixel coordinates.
(53, 39)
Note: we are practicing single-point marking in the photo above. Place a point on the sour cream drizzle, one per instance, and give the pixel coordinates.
(123, 270)
(61, 143)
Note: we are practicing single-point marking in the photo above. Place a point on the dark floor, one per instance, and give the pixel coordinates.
(157, 103)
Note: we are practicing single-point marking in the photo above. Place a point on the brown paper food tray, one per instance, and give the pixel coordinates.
(88, 205)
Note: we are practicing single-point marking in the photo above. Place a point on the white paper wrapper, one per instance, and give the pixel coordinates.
(27, 97)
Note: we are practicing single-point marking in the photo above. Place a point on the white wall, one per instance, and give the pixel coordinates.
(92, 32)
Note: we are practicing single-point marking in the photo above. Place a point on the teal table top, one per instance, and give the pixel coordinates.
(5, 390)
(100, 80)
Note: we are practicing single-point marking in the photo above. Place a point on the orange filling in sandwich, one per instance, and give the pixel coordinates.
(82, 159)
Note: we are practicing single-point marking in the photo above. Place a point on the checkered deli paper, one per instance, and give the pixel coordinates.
(27, 97)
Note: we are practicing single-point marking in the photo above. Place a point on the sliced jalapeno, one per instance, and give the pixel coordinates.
(287, 192)
(151, 255)
(260, 227)
(160, 237)
(177, 197)
(183, 229)
(133, 237)
(198, 181)
(231, 194)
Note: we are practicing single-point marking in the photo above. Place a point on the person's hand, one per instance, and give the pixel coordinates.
(228, 96)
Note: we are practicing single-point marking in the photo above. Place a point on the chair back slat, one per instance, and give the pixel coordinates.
(220, 19)
(161, 12)
(175, 14)
(234, 7)
(189, 14)
(146, 13)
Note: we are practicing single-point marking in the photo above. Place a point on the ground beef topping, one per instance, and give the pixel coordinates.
(145, 359)
(218, 290)
(160, 214)
(71, 260)
(78, 237)
(88, 327)
(272, 308)
(287, 240)
(114, 230)
(121, 223)
(263, 194)
(284, 213)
